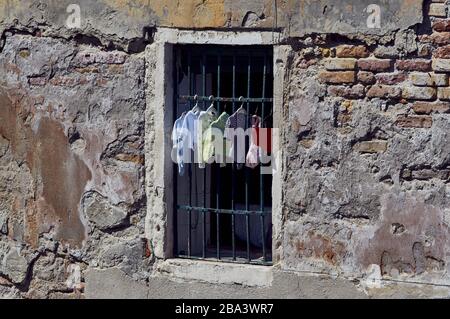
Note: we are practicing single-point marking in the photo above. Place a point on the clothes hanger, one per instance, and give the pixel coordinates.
(257, 109)
(212, 110)
(196, 108)
(268, 116)
(241, 109)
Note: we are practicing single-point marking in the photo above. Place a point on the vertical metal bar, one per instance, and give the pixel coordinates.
(218, 194)
(204, 171)
(247, 204)
(247, 221)
(261, 176)
(233, 170)
(190, 168)
(175, 169)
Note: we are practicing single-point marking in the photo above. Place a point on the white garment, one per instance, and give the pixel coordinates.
(178, 143)
(190, 128)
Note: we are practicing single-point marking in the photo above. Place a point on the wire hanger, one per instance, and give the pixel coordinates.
(196, 108)
(212, 110)
(267, 117)
(241, 109)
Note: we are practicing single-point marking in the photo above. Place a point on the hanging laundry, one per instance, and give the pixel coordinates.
(233, 127)
(264, 136)
(253, 155)
(190, 129)
(204, 121)
(213, 149)
(178, 143)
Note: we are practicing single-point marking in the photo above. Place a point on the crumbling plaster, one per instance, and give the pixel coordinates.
(361, 197)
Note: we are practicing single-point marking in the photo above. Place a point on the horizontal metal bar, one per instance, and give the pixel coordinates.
(231, 261)
(224, 211)
(224, 99)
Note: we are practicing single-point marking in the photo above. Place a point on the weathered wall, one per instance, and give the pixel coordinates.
(367, 181)
(71, 162)
(122, 22)
(365, 187)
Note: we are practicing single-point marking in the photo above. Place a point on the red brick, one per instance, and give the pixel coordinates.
(416, 121)
(337, 77)
(375, 65)
(384, 91)
(390, 78)
(352, 51)
(354, 92)
(366, 78)
(37, 81)
(441, 25)
(68, 81)
(428, 108)
(438, 38)
(442, 52)
(414, 65)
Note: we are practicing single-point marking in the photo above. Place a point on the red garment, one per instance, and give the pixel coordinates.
(263, 138)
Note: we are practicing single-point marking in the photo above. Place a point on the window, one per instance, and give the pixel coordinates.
(224, 212)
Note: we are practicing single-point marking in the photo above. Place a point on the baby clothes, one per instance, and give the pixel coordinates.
(204, 121)
(177, 141)
(253, 154)
(190, 129)
(234, 123)
(216, 131)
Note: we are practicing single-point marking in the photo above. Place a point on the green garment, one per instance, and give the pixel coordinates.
(204, 122)
(216, 130)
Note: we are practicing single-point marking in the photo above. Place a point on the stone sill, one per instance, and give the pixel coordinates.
(216, 272)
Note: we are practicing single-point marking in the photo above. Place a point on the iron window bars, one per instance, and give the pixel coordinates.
(223, 213)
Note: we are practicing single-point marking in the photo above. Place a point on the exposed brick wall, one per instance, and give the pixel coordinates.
(369, 123)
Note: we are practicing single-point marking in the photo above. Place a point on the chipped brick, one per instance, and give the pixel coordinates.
(337, 77)
(37, 81)
(374, 146)
(416, 121)
(340, 64)
(438, 38)
(429, 79)
(352, 51)
(441, 25)
(354, 92)
(366, 78)
(384, 91)
(428, 108)
(442, 52)
(419, 93)
(375, 65)
(390, 78)
(444, 93)
(414, 65)
(441, 65)
(438, 10)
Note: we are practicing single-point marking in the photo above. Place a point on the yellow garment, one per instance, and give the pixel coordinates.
(204, 121)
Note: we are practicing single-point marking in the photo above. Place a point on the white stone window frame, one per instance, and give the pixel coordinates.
(159, 165)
